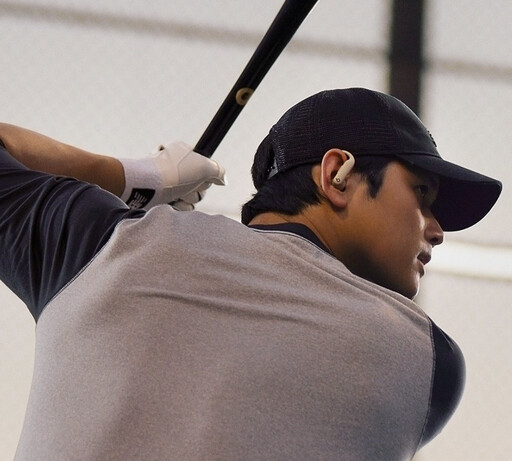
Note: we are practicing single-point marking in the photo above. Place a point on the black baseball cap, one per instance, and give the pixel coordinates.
(370, 123)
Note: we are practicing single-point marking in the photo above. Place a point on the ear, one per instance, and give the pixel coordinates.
(335, 169)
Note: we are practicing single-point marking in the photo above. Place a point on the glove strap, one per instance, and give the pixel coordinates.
(142, 182)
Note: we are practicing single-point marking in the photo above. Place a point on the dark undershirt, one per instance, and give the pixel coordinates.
(294, 228)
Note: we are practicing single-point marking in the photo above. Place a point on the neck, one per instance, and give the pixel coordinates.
(306, 218)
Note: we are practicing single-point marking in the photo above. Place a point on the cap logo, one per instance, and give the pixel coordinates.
(273, 169)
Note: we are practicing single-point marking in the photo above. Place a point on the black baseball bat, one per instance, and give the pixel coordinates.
(287, 21)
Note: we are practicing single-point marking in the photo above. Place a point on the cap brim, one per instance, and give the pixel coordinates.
(464, 197)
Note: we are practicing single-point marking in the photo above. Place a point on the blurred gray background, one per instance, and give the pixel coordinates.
(121, 77)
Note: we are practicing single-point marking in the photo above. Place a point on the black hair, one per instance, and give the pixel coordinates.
(288, 193)
(291, 191)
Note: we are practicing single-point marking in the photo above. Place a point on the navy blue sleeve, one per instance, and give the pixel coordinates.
(448, 382)
(50, 228)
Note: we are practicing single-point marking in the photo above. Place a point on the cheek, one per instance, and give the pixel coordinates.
(395, 268)
(393, 259)
(388, 243)
(395, 236)
(407, 229)
(392, 255)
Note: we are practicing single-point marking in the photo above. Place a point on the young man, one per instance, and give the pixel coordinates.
(177, 335)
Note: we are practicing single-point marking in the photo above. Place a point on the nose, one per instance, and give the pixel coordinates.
(433, 231)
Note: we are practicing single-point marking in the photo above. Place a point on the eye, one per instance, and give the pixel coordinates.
(426, 195)
(422, 190)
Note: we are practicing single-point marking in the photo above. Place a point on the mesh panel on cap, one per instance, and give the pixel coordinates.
(355, 120)
(293, 136)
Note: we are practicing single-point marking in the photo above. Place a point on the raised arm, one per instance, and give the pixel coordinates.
(174, 174)
(41, 153)
(51, 225)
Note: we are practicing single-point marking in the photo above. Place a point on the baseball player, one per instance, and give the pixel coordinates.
(174, 335)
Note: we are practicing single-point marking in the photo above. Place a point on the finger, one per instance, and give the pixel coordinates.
(194, 197)
(181, 205)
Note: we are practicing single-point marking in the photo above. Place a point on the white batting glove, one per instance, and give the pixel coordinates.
(174, 174)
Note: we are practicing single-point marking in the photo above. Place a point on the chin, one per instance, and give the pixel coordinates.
(408, 291)
(412, 293)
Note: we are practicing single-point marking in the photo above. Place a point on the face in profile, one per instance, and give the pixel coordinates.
(396, 229)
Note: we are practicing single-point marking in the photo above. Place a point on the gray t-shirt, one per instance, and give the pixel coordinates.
(180, 336)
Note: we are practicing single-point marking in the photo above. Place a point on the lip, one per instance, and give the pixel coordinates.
(424, 259)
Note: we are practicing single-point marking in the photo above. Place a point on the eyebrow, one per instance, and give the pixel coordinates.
(432, 179)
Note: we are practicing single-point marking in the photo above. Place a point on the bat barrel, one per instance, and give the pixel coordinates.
(288, 19)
